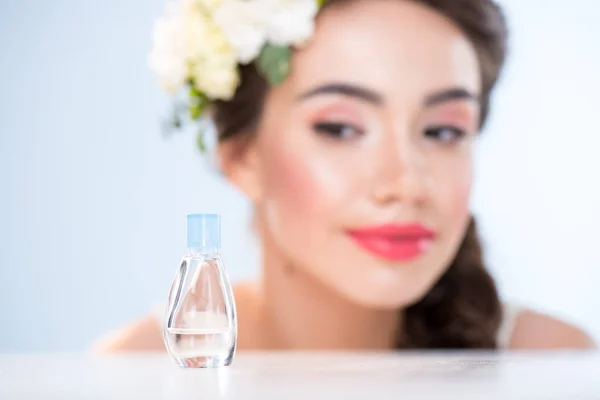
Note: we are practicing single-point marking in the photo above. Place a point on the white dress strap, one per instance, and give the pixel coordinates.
(510, 313)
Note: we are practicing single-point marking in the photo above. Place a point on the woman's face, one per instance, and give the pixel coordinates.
(362, 163)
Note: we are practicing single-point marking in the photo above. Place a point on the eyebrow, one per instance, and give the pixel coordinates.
(344, 89)
(375, 98)
(450, 95)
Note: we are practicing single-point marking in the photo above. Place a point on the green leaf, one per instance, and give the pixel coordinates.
(195, 112)
(198, 103)
(274, 63)
(193, 92)
(176, 121)
(200, 142)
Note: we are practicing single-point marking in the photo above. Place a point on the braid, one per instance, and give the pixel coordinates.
(462, 310)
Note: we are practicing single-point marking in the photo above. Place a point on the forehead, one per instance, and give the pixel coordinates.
(397, 47)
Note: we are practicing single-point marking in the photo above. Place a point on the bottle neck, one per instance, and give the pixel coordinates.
(203, 251)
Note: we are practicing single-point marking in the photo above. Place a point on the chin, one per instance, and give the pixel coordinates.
(388, 296)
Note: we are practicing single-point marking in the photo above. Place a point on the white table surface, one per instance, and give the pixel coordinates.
(286, 376)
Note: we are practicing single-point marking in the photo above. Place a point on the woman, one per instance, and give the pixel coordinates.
(359, 166)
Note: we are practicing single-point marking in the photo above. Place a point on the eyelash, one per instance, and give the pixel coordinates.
(343, 131)
(436, 132)
(338, 130)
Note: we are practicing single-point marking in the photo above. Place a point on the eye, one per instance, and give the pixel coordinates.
(338, 130)
(445, 134)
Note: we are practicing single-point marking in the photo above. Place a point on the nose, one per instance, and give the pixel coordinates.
(401, 175)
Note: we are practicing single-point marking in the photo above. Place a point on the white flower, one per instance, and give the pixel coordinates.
(188, 44)
(204, 40)
(202, 36)
(168, 56)
(244, 24)
(209, 5)
(211, 57)
(290, 22)
(249, 24)
(217, 76)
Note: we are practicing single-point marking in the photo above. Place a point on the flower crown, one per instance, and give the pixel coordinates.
(199, 45)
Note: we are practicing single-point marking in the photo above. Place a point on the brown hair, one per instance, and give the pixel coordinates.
(463, 309)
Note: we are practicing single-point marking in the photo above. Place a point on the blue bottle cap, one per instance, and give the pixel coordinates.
(204, 231)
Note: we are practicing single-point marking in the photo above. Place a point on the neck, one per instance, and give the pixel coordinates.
(299, 312)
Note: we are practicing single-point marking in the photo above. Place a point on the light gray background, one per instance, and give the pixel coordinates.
(93, 199)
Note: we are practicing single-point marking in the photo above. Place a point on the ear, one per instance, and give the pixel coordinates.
(239, 162)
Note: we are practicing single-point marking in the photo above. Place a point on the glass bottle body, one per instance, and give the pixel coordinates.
(201, 323)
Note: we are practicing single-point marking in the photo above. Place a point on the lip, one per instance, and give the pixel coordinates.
(394, 242)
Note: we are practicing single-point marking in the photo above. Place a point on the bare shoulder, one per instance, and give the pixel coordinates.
(145, 333)
(248, 301)
(534, 330)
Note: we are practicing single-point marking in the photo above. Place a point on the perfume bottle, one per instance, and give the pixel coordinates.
(201, 324)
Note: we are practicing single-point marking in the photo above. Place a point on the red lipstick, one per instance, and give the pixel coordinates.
(394, 242)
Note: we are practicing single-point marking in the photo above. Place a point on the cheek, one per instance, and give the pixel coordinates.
(302, 187)
(452, 190)
(462, 193)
